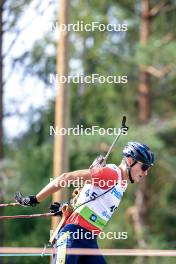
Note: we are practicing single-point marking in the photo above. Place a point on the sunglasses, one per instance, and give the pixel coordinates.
(144, 167)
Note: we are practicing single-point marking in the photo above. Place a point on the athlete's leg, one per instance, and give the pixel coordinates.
(65, 241)
(93, 260)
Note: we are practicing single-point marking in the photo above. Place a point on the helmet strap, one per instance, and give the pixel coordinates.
(129, 170)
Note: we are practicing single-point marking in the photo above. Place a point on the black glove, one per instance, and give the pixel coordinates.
(56, 208)
(26, 200)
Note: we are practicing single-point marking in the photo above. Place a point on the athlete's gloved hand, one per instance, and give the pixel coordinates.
(56, 208)
(30, 200)
(98, 162)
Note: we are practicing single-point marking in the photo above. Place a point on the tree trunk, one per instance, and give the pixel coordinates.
(144, 115)
(1, 117)
(144, 77)
(62, 105)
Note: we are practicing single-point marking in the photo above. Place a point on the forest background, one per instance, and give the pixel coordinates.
(145, 53)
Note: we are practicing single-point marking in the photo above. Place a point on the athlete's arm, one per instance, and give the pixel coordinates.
(61, 181)
(64, 179)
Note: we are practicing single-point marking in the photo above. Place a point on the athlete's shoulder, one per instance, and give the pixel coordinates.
(113, 167)
(108, 174)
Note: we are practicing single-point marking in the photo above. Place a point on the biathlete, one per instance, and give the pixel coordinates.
(98, 199)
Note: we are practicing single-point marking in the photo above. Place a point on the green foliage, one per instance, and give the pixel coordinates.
(32, 155)
(103, 105)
